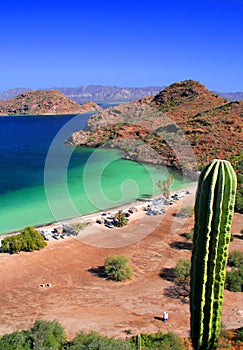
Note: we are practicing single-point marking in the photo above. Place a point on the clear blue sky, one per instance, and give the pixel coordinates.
(125, 43)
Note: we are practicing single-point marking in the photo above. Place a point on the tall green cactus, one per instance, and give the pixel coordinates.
(214, 208)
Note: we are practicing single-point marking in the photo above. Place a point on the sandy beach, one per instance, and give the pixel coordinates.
(139, 213)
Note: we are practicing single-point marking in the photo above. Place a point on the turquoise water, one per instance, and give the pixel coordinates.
(44, 181)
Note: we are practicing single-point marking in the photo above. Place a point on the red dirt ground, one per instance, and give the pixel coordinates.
(80, 300)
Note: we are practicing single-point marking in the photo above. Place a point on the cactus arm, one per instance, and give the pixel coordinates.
(213, 217)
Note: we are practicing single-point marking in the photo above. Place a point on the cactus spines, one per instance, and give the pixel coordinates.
(214, 208)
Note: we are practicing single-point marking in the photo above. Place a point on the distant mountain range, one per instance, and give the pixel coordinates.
(96, 93)
(102, 94)
(232, 96)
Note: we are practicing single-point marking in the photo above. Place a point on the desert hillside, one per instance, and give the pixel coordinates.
(41, 102)
(185, 112)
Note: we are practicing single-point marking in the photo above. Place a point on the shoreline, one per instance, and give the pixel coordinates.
(90, 219)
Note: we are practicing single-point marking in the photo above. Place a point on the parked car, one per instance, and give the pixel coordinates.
(109, 225)
(69, 230)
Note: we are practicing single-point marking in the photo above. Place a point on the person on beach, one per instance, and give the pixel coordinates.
(166, 315)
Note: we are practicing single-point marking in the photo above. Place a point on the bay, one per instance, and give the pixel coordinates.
(42, 180)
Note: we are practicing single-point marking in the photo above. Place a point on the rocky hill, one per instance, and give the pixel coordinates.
(184, 126)
(41, 102)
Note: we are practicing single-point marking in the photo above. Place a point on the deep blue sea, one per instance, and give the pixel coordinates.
(42, 180)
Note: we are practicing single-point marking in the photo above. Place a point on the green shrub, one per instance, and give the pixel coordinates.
(116, 268)
(239, 201)
(44, 335)
(160, 341)
(79, 226)
(182, 271)
(185, 212)
(239, 193)
(47, 335)
(239, 334)
(234, 280)
(15, 341)
(29, 239)
(224, 341)
(235, 258)
(94, 341)
(189, 235)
